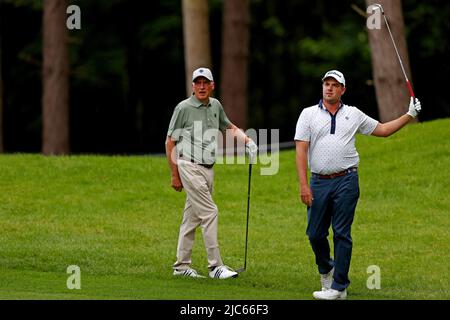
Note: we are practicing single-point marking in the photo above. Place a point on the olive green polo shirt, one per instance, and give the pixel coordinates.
(195, 128)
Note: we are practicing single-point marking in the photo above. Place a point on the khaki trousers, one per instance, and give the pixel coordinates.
(199, 210)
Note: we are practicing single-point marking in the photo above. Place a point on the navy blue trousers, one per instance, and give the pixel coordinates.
(334, 204)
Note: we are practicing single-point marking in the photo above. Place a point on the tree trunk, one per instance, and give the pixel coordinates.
(390, 85)
(197, 51)
(55, 99)
(235, 39)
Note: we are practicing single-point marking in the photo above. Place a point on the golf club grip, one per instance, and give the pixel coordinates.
(411, 92)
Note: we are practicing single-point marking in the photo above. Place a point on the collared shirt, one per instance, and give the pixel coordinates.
(195, 128)
(332, 137)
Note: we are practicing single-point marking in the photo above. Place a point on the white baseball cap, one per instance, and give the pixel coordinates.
(336, 75)
(202, 72)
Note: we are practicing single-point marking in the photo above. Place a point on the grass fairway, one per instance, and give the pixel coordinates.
(117, 219)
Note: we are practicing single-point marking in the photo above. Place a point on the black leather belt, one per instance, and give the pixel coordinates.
(206, 165)
(209, 166)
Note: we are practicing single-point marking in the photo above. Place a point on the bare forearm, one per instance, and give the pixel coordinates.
(301, 160)
(302, 166)
(238, 133)
(302, 171)
(171, 158)
(389, 128)
(395, 125)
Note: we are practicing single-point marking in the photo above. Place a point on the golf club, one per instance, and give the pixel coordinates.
(248, 214)
(411, 92)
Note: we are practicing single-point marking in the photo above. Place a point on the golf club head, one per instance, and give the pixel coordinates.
(240, 270)
(379, 6)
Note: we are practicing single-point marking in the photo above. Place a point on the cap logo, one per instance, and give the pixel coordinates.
(201, 70)
(334, 73)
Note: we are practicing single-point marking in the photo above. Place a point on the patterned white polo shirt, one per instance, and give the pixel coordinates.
(332, 138)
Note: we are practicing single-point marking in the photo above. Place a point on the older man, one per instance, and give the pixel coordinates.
(190, 149)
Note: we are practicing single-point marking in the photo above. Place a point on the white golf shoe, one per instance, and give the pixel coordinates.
(223, 272)
(330, 294)
(189, 272)
(326, 280)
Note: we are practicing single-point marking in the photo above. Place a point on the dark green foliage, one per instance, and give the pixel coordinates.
(127, 66)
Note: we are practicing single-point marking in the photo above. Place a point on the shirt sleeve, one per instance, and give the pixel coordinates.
(175, 124)
(224, 123)
(303, 129)
(366, 124)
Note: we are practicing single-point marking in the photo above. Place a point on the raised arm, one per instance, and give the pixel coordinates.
(389, 128)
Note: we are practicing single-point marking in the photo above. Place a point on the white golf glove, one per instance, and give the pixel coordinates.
(414, 107)
(252, 150)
